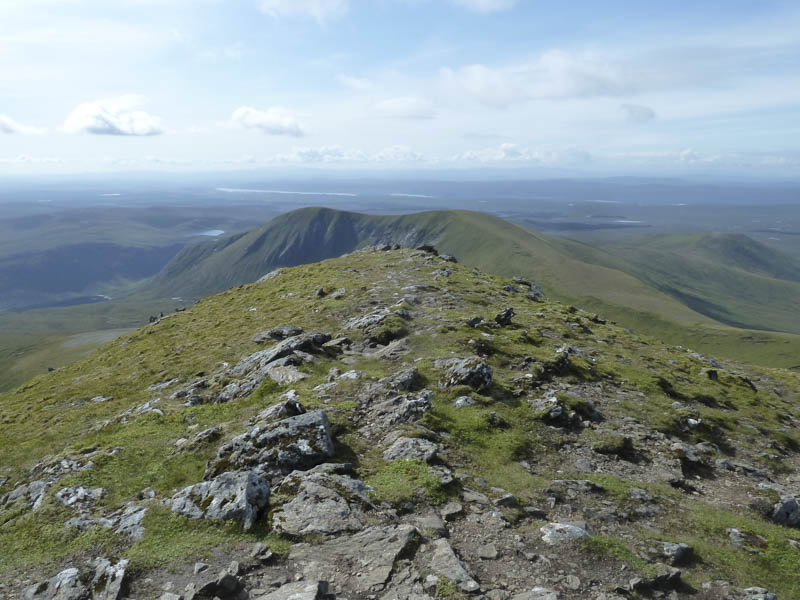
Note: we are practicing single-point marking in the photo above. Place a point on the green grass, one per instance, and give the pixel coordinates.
(406, 480)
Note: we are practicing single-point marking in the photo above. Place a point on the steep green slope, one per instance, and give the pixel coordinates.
(641, 444)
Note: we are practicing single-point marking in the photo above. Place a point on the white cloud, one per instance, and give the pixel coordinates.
(637, 113)
(355, 83)
(273, 121)
(514, 154)
(113, 116)
(321, 10)
(24, 159)
(324, 154)
(486, 6)
(9, 125)
(407, 107)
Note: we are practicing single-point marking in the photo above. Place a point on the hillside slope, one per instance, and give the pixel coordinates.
(367, 441)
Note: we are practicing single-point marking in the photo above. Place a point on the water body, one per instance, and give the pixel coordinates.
(211, 232)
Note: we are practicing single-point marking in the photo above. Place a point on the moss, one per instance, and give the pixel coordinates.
(448, 590)
(406, 480)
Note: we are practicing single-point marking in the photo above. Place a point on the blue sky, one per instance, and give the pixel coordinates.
(538, 87)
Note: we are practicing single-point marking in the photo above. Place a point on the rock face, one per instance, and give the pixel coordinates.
(371, 552)
(240, 496)
(325, 502)
(474, 372)
(785, 512)
(300, 590)
(278, 448)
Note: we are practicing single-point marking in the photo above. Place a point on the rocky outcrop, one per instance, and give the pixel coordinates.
(299, 442)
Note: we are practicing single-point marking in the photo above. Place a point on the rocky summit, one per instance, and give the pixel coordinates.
(393, 425)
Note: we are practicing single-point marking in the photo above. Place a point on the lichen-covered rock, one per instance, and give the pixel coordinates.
(326, 502)
(474, 372)
(277, 448)
(411, 448)
(240, 496)
(307, 342)
(537, 593)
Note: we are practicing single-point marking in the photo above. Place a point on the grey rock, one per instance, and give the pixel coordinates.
(488, 552)
(79, 497)
(32, 493)
(279, 448)
(239, 496)
(559, 533)
(411, 448)
(497, 595)
(278, 333)
(170, 596)
(451, 510)
(371, 552)
(785, 512)
(130, 522)
(445, 563)
(270, 275)
(368, 320)
(404, 380)
(676, 554)
(401, 409)
(298, 590)
(464, 402)
(758, 593)
(325, 503)
(307, 342)
(108, 579)
(224, 587)
(431, 525)
(200, 567)
(537, 593)
(474, 372)
(285, 375)
(290, 407)
(64, 586)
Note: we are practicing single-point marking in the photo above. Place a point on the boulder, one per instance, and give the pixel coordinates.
(224, 587)
(474, 372)
(299, 442)
(306, 342)
(785, 512)
(326, 502)
(676, 554)
(559, 533)
(240, 496)
(371, 552)
(401, 409)
(411, 448)
(504, 317)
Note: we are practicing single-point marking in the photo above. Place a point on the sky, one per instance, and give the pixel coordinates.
(528, 86)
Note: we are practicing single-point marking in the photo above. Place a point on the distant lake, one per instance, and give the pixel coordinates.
(211, 232)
